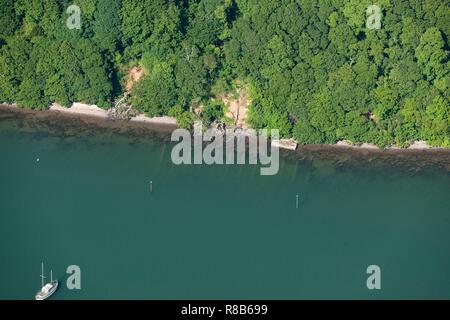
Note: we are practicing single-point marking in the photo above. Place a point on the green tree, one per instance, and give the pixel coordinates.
(107, 24)
(9, 20)
(213, 110)
(436, 124)
(156, 93)
(432, 56)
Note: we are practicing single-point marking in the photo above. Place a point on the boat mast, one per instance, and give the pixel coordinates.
(42, 273)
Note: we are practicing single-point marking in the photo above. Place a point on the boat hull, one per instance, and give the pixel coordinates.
(41, 295)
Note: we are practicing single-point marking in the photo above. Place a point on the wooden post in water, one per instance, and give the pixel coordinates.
(296, 201)
(151, 186)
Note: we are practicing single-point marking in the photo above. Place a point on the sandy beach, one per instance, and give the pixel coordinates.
(417, 145)
(94, 111)
(81, 109)
(89, 116)
(155, 120)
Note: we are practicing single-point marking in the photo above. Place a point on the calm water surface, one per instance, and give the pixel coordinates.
(213, 232)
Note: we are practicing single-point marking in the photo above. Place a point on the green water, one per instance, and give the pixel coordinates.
(213, 232)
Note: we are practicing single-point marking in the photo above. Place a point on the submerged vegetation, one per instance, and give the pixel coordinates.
(312, 67)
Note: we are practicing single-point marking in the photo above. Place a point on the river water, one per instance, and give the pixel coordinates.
(213, 232)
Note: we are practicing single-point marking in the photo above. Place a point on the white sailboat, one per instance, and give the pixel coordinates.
(48, 289)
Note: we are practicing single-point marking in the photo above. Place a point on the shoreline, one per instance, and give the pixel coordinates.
(82, 109)
(416, 145)
(75, 126)
(92, 115)
(99, 117)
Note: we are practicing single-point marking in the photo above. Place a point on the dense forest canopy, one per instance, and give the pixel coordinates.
(313, 68)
